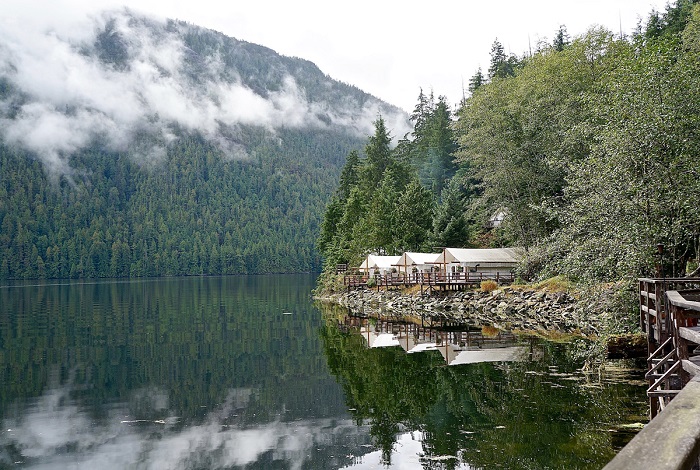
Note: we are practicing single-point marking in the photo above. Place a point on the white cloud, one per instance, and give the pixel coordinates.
(70, 97)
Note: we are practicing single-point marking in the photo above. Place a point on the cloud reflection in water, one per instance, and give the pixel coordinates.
(54, 432)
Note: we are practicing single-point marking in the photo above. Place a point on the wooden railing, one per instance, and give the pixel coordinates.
(670, 317)
(671, 441)
(435, 279)
(659, 319)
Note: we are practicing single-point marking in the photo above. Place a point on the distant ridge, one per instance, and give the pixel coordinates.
(139, 147)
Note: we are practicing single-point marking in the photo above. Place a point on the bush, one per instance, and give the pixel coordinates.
(489, 286)
(329, 283)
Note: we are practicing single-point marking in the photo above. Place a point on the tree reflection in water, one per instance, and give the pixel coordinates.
(541, 412)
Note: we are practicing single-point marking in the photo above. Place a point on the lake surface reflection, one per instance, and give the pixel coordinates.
(246, 372)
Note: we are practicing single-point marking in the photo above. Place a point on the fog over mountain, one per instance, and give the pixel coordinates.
(132, 146)
(113, 77)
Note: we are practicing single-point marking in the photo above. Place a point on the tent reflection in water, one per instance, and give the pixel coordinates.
(377, 339)
(453, 354)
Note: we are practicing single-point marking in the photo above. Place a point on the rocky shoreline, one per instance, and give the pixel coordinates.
(514, 309)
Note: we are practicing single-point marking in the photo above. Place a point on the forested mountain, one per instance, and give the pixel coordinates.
(136, 147)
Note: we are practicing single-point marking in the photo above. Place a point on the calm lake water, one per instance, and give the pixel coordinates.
(246, 372)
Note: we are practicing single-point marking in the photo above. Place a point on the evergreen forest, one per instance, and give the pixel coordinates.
(193, 213)
(587, 149)
(230, 174)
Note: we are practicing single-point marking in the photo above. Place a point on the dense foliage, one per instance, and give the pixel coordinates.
(584, 153)
(591, 146)
(193, 213)
(408, 198)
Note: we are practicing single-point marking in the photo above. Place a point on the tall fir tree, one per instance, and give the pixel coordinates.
(476, 81)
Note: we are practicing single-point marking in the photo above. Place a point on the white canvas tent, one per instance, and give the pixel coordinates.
(423, 262)
(473, 356)
(489, 261)
(384, 264)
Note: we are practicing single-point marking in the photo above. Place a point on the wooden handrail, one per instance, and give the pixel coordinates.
(660, 363)
(671, 441)
(664, 377)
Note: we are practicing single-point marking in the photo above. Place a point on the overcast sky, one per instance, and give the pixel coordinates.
(388, 48)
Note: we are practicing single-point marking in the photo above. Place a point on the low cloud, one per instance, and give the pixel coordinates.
(115, 76)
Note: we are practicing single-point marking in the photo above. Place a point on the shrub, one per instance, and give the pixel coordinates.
(489, 286)
(490, 331)
(328, 283)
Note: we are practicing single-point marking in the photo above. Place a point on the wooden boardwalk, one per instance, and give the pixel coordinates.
(669, 314)
(439, 281)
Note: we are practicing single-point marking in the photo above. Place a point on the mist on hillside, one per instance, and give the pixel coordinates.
(113, 78)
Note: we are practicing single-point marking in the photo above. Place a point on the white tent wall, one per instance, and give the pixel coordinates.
(489, 262)
(421, 262)
(382, 264)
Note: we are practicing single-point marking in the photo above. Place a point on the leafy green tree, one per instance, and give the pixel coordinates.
(638, 186)
(520, 135)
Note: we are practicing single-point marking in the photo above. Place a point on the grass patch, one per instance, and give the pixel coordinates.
(490, 331)
(489, 286)
(555, 284)
(411, 290)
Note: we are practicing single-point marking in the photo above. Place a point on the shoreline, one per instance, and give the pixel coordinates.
(526, 310)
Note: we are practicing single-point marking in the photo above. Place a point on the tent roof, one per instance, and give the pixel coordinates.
(376, 261)
(482, 255)
(409, 258)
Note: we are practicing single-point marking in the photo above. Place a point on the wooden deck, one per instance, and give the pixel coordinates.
(670, 315)
(439, 281)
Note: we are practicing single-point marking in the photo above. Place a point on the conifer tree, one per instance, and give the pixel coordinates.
(349, 176)
(378, 152)
(414, 218)
(561, 39)
(476, 81)
(502, 66)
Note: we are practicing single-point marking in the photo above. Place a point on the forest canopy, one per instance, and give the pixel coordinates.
(592, 146)
(587, 149)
